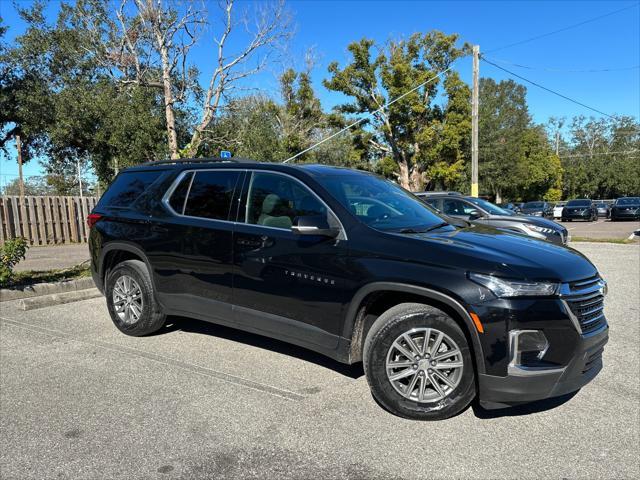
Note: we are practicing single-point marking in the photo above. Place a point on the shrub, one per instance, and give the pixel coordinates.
(10, 254)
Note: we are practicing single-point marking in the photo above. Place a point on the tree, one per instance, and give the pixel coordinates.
(148, 42)
(502, 124)
(68, 108)
(25, 104)
(248, 127)
(258, 127)
(601, 157)
(409, 130)
(32, 186)
(538, 172)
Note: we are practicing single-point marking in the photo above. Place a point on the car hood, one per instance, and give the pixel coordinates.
(492, 251)
(633, 205)
(542, 222)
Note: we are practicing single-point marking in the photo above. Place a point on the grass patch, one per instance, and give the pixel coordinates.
(31, 277)
(622, 241)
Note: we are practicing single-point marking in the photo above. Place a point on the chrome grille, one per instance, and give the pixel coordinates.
(584, 284)
(585, 299)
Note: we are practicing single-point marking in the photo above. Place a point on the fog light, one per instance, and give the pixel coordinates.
(527, 346)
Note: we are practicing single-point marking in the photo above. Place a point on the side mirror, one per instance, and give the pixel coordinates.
(475, 214)
(314, 225)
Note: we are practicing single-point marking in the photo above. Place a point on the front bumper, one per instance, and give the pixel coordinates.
(586, 215)
(528, 386)
(625, 214)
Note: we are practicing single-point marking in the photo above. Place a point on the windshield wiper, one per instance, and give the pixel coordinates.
(436, 226)
(423, 230)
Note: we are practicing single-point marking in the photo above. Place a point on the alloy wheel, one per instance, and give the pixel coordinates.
(127, 299)
(424, 365)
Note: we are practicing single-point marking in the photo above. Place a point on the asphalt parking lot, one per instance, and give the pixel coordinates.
(80, 400)
(602, 229)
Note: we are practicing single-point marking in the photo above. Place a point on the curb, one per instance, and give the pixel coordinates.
(39, 289)
(58, 299)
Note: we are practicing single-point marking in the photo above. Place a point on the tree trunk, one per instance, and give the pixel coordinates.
(403, 176)
(172, 136)
(416, 184)
(168, 108)
(498, 196)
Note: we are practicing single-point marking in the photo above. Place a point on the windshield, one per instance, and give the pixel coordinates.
(578, 203)
(533, 205)
(628, 201)
(489, 207)
(380, 203)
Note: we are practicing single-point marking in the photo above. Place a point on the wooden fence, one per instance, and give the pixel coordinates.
(45, 220)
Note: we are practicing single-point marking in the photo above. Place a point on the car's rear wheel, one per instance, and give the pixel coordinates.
(418, 363)
(130, 299)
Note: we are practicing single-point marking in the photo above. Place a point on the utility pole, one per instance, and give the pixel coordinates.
(557, 143)
(20, 177)
(79, 176)
(474, 122)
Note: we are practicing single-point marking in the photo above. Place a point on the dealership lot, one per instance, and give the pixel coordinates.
(80, 400)
(602, 229)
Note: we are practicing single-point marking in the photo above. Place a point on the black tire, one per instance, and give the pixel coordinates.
(384, 331)
(151, 317)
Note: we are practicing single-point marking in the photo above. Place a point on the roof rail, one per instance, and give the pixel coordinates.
(177, 161)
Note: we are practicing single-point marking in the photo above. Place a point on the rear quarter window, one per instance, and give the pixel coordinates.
(127, 187)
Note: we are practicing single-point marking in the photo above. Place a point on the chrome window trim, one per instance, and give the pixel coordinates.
(167, 196)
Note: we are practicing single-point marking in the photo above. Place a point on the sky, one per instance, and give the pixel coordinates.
(557, 61)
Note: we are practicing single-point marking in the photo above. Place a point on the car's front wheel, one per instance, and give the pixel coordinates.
(418, 363)
(130, 299)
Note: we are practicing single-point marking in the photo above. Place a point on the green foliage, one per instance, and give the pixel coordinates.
(415, 131)
(258, 127)
(67, 106)
(32, 186)
(600, 158)
(11, 253)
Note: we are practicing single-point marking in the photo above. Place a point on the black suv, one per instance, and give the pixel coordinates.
(351, 265)
(625, 208)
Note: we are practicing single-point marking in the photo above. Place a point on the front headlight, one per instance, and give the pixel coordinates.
(514, 288)
(538, 229)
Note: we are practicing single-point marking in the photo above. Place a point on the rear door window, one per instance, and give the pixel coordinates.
(211, 194)
(127, 187)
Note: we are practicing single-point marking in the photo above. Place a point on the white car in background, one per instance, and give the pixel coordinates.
(557, 210)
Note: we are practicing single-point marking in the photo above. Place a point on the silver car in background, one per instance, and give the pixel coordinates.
(481, 212)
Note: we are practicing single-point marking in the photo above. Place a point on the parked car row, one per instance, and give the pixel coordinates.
(580, 209)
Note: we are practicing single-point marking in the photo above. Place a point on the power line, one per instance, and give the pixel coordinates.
(599, 153)
(368, 115)
(545, 88)
(564, 29)
(564, 70)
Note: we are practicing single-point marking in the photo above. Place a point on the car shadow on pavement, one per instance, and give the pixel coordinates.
(191, 325)
(523, 409)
